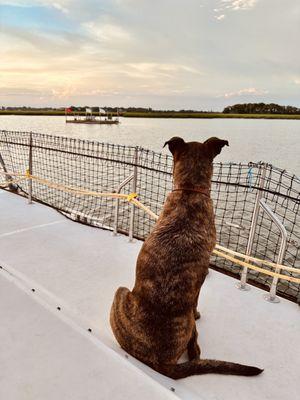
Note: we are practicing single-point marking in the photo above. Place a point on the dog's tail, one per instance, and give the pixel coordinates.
(199, 367)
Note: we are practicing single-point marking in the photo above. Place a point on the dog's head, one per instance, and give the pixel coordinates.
(194, 158)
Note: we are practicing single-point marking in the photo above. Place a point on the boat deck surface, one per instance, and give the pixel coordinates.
(48, 352)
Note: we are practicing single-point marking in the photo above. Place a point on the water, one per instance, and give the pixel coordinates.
(273, 141)
(276, 142)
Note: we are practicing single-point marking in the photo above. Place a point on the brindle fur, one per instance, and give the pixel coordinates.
(155, 322)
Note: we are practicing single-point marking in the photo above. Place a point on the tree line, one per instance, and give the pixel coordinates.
(261, 108)
(245, 108)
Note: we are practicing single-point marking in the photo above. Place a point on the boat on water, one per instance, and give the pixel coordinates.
(58, 277)
(93, 115)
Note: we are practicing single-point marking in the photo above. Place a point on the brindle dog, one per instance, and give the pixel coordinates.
(155, 322)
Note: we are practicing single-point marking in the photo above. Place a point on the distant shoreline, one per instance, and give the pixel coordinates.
(165, 114)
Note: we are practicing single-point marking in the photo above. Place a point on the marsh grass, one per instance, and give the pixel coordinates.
(160, 114)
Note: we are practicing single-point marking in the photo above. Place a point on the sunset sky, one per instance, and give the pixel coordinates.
(199, 54)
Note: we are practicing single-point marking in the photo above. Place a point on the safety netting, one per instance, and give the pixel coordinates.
(103, 167)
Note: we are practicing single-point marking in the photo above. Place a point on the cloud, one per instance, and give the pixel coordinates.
(235, 5)
(249, 91)
(150, 52)
(19, 91)
(62, 5)
(220, 17)
(107, 32)
(240, 4)
(162, 68)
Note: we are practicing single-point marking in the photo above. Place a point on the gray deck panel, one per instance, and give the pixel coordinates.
(83, 266)
(42, 357)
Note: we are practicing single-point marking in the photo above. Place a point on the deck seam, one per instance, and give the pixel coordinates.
(30, 228)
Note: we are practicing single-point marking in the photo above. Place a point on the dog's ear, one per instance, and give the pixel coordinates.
(175, 144)
(215, 145)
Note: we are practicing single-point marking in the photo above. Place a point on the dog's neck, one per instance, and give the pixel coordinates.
(194, 181)
(193, 189)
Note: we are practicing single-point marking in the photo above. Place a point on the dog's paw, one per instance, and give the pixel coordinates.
(197, 314)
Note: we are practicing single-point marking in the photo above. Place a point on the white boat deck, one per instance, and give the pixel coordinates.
(47, 353)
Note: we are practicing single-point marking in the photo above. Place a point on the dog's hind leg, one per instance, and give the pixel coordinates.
(193, 347)
(197, 314)
(120, 318)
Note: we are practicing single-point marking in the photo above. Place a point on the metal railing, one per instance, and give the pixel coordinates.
(120, 187)
(262, 176)
(272, 295)
(250, 199)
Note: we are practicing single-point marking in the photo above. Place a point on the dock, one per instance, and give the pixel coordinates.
(94, 115)
(57, 282)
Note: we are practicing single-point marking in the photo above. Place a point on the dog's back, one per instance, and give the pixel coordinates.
(172, 262)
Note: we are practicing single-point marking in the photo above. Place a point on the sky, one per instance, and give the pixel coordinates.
(164, 54)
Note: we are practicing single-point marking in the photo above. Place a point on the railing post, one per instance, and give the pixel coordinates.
(242, 285)
(134, 183)
(116, 218)
(271, 296)
(30, 169)
(8, 177)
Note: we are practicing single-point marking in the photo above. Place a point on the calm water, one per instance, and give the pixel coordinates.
(276, 142)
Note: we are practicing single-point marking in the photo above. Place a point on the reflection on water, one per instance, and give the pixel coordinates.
(276, 142)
